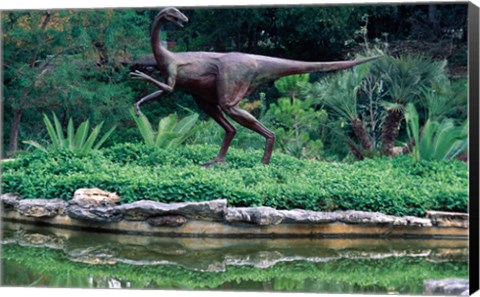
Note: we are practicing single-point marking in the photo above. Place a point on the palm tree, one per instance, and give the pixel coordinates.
(340, 93)
(404, 77)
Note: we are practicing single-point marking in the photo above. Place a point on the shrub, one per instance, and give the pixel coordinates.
(397, 186)
(80, 141)
(437, 140)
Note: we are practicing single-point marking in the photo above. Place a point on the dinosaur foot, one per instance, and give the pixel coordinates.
(214, 162)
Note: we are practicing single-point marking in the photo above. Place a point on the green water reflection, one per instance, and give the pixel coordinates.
(45, 257)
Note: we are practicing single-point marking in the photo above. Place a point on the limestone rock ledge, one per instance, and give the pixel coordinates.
(271, 216)
(95, 208)
(41, 208)
(448, 219)
(213, 210)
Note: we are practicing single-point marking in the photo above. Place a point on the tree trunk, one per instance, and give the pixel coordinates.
(17, 114)
(434, 19)
(362, 135)
(390, 130)
(13, 141)
(102, 52)
(355, 150)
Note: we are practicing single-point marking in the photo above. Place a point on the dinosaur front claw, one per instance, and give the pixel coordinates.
(139, 75)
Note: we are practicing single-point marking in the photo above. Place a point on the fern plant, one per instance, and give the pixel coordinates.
(81, 141)
(171, 130)
(437, 140)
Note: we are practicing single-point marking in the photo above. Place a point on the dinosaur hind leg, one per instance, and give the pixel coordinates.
(150, 97)
(216, 114)
(248, 121)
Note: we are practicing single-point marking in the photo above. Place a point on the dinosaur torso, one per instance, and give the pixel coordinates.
(219, 81)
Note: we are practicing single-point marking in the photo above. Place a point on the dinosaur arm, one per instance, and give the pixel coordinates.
(165, 87)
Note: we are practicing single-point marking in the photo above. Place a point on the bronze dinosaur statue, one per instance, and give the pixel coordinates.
(219, 81)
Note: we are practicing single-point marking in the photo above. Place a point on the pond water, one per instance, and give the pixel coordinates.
(50, 257)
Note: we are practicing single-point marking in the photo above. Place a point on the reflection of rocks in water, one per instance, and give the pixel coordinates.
(447, 255)
(43, 241)
(33, 239)
(377, 255)
(262, 259)
(218, 254)
(108, 282)
(450, 286)
(93, 255)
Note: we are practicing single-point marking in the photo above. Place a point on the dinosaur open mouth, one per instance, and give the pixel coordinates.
(180, 23)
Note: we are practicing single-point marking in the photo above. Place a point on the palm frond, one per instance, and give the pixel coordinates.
(51, 131)
(80, 141)
(393, 106)
(144, 127)
(438, 140)
(36, 145)
(171, 131)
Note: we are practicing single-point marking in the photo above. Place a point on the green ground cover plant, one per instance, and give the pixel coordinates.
(397, 186)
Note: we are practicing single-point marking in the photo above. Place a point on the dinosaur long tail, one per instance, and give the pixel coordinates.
(281, 67)
(340, 65)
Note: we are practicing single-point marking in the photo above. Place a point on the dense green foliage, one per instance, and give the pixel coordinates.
(75, 64)
(392, 186)
(402, 275)
(296, 122)
(71, 62)
(67, 62)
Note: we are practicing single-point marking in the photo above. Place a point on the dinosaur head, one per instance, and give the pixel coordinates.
(173, 15)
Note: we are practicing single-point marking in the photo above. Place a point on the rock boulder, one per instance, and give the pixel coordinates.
(258, 215)
(101, 214)
(41, 208)
(167, 221)
(94, 197)
(9, 201)
(213, 210)
(448, 219)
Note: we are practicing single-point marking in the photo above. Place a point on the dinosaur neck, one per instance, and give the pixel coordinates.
(160, 53)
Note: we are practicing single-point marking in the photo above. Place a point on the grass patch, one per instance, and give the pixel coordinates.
(396, 186)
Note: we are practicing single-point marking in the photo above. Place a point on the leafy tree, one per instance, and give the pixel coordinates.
(64, 61)
(297, 124)
(302, 32)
